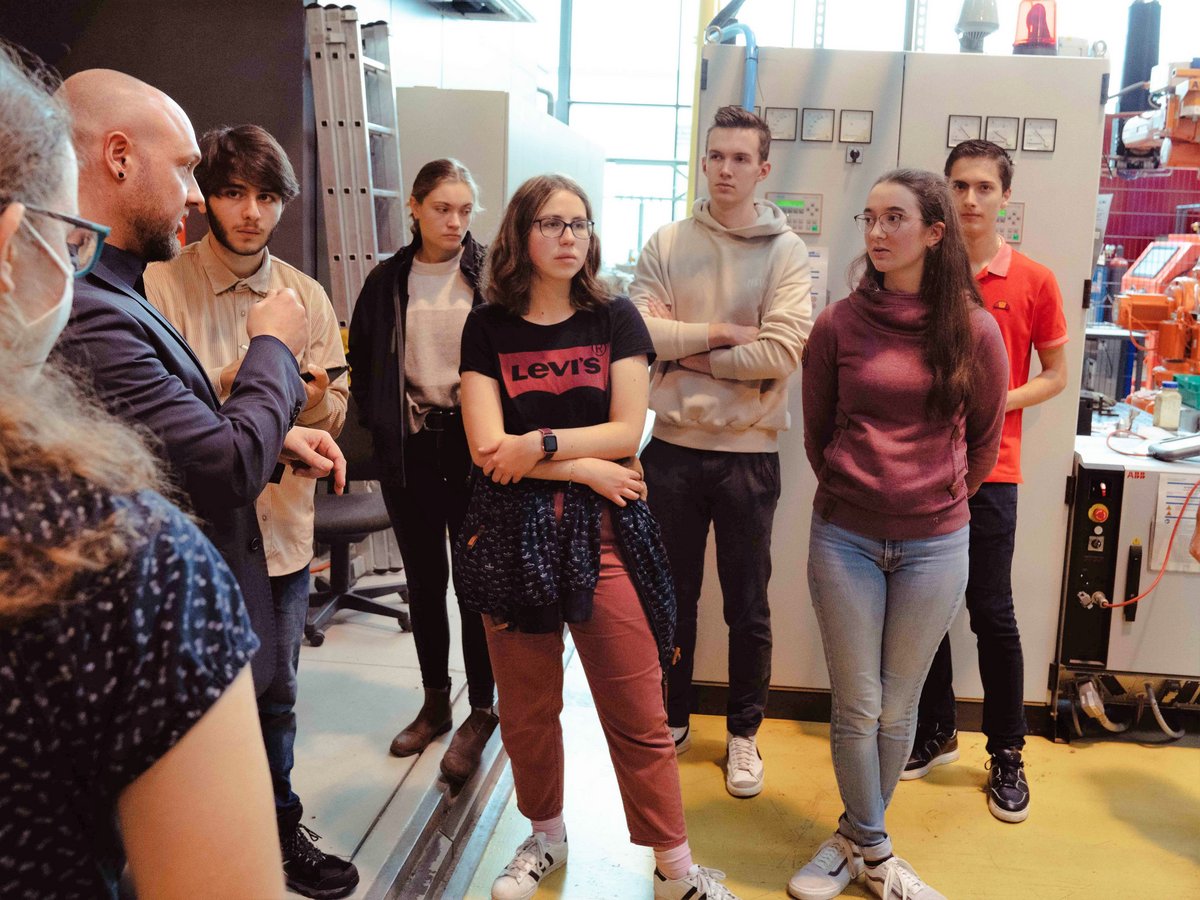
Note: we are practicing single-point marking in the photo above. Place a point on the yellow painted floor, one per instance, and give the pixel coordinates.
(1108, 819)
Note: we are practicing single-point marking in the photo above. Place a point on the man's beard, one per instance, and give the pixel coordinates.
(156, 240)
(222, 237)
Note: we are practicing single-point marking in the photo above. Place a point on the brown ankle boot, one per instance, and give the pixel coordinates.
(433, 720)
(462, 756)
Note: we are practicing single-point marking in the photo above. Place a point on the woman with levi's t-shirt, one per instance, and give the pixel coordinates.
(554, 394)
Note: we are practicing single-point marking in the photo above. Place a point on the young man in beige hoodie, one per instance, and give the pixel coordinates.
(725, 295)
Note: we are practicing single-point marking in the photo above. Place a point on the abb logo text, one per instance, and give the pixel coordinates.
(555, 371)
(1139, 475)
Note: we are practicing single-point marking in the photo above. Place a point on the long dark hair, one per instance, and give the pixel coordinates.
(947, 285)
(508, 273)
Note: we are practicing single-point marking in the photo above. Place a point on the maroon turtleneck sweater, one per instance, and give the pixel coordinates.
(885, 468)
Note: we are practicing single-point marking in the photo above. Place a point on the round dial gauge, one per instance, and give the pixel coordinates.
(856, 126)
(782, 122)
(816, 125)
(1003, 131)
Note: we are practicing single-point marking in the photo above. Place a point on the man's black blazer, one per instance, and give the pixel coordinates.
(221, 455)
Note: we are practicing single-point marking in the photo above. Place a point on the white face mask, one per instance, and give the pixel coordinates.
(32, 345)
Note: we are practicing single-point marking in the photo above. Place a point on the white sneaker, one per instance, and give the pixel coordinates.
(682, 738)
(743, 766)
(698, 884)
(837, 862)
(534, 859)
(895, 879)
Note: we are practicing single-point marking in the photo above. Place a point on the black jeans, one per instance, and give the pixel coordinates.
(737, 493)
(994, 621)
(434, 499)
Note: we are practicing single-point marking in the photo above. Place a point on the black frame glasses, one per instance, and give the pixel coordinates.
(553, 227)
(84, 240)
(889, 222)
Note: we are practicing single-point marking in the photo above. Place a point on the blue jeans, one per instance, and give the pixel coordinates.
(882, 606)
(994, 621)
(277, 704)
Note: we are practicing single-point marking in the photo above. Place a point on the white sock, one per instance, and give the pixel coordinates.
(554, 828)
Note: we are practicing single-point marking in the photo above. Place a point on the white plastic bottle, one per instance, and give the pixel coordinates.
(1167, 406)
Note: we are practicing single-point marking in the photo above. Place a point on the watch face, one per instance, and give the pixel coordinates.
(549, 443)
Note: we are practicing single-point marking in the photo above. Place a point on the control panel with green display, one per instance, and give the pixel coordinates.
(1010, 222)
(803, 211)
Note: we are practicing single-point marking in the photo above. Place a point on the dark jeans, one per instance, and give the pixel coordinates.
(437, 467)
(737, 493)
(994, 621)
(277, 704)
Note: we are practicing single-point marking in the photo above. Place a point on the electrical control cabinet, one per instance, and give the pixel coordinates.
(1124, 510)
(910, 97)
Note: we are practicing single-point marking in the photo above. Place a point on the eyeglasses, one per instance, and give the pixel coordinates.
(889, 222)
(553, 227)
(84, 239)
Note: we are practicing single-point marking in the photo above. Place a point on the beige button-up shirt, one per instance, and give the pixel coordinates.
(207, 303)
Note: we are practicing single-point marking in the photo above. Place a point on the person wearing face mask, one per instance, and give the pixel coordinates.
(404, 355)
(128, 731)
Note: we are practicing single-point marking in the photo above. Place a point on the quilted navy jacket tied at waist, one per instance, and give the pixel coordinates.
(515, 561)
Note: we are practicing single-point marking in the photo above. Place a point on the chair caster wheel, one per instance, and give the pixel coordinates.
(316, 638)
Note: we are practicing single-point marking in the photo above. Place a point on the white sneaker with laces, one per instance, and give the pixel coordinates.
(743, 766)
(699, 884)
(895, 879)
(836, 863)
(534, 859)
(682, 738)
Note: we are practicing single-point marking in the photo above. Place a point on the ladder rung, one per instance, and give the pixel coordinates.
(382, 256)
(373, 64)
(383, 192)
(379, 129)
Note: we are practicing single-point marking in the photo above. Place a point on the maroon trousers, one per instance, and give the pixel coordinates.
(620, 660)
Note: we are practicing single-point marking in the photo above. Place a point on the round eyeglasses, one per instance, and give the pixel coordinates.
(84, 238)
(889, 222)
(553, 227)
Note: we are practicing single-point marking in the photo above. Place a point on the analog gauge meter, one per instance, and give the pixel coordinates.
(1003, 131)
(855, 126)
(1040, 135)
(816, 125)
(963, 128)
(782, 122)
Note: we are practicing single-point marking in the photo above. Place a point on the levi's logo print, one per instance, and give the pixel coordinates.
(556, 371)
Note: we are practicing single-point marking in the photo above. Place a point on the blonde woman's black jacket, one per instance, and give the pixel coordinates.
(376, 353)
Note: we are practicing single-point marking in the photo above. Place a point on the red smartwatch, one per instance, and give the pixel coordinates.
(549, 443)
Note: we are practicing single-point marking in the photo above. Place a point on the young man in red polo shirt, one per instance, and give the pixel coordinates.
(1024, 299)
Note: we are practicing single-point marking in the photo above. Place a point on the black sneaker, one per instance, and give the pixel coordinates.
(1008, 791)
(933, 747)
(310, 872)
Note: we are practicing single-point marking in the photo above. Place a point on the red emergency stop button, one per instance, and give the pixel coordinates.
(1098, 512)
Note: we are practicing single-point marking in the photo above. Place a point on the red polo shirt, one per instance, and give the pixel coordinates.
(1024, 299)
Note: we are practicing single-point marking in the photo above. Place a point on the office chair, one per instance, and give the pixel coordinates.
(346, 520)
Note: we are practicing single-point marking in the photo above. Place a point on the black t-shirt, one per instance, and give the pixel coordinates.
(553, 376)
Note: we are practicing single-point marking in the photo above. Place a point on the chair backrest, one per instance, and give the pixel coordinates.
(358, 447)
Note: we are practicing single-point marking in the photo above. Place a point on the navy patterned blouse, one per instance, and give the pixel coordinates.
(94, 691)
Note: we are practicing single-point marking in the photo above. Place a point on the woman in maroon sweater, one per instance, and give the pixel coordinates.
(904, 389)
